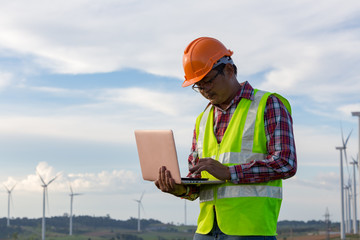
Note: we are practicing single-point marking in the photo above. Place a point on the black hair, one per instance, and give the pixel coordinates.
(221, 67)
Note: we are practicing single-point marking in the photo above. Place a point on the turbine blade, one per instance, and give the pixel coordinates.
(342, 134)
(354, 161)
(52, 180)
(345, 156)
(347, 163)
(347, 139)
(13, 187)
(71, 190)
(142, 195)
(42, 180)
(142, 207)
(6, 188)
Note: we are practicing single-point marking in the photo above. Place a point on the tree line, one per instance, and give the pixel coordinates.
(82, 224)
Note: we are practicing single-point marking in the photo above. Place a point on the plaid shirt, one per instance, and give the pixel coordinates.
(280, 163)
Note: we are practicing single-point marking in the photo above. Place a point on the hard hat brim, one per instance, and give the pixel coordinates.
(187, 83)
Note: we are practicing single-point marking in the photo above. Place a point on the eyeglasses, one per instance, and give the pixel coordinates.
(198, 88)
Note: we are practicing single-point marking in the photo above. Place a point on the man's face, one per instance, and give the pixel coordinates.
(213, 87)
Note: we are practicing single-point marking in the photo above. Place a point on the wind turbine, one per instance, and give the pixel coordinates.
(357, 114)
(348, 209)
(72, 194)
(45, 185)
(355, 164)
(343, 147)
(9, 198)
(139, 204)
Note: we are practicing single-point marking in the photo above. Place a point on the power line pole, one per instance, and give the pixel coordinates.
(327, 222)
(357, 114)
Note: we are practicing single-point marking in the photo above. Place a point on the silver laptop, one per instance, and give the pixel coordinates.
(156, 148)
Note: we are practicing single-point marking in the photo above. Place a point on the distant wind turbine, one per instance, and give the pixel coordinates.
(139, 204)
(343, 147)
(347, 189)
(72, 194)
(348, 186)
(355, 227)
(357, 114)
(45, 193)
(9, 198)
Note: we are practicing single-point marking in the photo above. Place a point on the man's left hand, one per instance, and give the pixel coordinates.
(213, 167)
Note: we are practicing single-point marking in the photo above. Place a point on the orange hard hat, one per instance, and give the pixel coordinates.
(200, 56)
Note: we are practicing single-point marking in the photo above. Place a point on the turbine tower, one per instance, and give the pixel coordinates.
(342, 227)
(348, 208)
(72, 194)
(9, 198)
(355, 165)
(44, 185)
(348, 186)
(139, 204)
(357, 114)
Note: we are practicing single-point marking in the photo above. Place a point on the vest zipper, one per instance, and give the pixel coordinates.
(215, 188)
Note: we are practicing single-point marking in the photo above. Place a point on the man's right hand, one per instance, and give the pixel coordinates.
(167, 184)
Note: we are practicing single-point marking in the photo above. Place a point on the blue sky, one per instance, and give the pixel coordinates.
(77, 78)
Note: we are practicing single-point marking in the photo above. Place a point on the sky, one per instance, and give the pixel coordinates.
(78, 77)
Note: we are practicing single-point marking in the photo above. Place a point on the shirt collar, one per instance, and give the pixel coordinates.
(246, 91)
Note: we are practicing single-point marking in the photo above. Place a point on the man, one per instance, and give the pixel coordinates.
(244, 137)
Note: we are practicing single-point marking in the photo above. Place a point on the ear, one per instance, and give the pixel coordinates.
(229, 70)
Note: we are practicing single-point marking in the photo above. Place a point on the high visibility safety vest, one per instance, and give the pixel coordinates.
(241, 209)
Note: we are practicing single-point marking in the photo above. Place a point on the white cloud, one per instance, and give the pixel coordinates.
(49, 89)
(349, 108)
(103, 181)
(323, 180)
(5, 79)
(113, 181)
(87, 36)
(112, 115)
(171, 104)
(316, 147)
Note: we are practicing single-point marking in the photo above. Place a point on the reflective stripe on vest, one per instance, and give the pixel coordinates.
(235, 191)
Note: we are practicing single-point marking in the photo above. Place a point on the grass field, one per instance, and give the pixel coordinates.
(173, 233)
